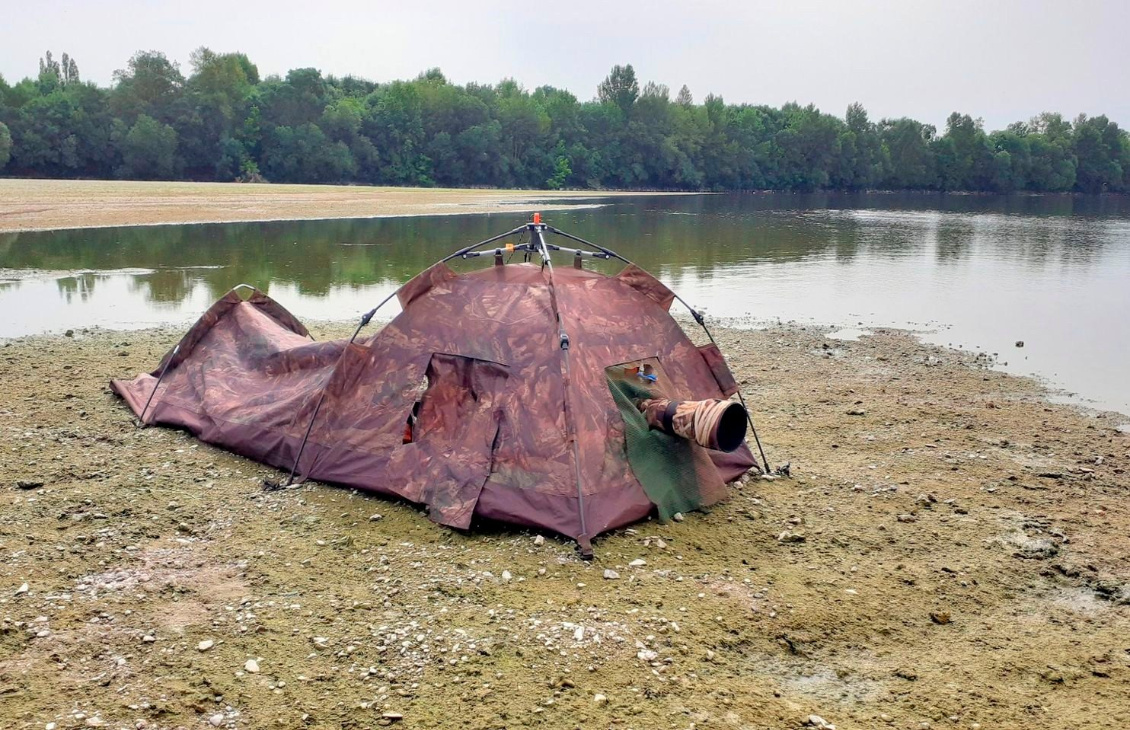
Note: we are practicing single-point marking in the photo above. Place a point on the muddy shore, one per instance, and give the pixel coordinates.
(36, 205)
(951, 552)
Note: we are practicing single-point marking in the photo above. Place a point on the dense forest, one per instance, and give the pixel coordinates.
(224, 122)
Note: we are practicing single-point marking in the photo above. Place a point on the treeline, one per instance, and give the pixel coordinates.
(223, 122)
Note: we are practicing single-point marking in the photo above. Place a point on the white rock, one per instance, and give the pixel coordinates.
(610, 574)
(50, 726)
(660, 544)
(216, 720)
(321, 642)
(678, 517)
(816, 721)
(251, 667)
(600, 699)
(22, 590)
(647, 655)
(579, 633)
(539, 540)
(637, 563)
(506, 577)
(205, 645)
(149, 638)
(374, 518)
(95, 722)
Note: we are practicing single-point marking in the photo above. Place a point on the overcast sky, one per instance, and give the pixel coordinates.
(1001, 60)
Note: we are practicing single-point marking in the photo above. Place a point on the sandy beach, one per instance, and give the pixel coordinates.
(951, 552)
(31, 205)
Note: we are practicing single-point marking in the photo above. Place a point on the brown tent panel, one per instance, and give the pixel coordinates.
(474, 364)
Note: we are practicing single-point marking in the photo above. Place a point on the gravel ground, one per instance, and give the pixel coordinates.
(951, 552)
(30, 205)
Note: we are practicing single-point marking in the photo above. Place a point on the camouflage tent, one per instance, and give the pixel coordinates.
(505, 393)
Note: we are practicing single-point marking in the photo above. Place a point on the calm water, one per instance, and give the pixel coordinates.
(973, 271)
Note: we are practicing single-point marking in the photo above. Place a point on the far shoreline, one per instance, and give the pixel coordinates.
(39, 205)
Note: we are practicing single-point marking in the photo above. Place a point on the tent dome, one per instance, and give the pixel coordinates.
(497, 393)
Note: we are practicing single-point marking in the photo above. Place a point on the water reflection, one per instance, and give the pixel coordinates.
(1052, 270)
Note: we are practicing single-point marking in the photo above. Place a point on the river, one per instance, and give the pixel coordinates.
(972, 271)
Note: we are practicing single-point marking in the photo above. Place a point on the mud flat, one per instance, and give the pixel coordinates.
(951, 552)
(29, 205)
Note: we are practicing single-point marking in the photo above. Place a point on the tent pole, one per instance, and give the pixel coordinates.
(698, 317)
(584, 541)
(157, 385)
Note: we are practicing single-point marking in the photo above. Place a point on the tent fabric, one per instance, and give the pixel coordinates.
(480, 354)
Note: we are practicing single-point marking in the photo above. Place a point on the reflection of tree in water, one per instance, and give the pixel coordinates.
(80, 285)
(954, 238)
(165, 286)
(693, 235)
(1024, 241)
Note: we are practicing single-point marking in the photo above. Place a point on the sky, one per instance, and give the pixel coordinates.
(1000, 60)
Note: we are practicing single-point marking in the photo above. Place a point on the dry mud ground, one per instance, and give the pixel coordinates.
(964, 563)
(27, 205)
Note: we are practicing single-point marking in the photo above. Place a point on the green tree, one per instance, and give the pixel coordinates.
(149, 150)
(1100, 150)
(305, 154)
(964, 159)
(620, 87)
(907, 151)
(860, 162)
(5, 145)
(149, 85)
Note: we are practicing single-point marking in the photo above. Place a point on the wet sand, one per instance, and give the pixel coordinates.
(30, 205)
(951, 552)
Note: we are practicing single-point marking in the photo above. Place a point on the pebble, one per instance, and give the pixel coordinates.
(95, 722)
(374, 518)
(392, 716)
(599, 699)
(205, 645)
(610, 574)
(788, 536)
(637, 563)
(907, 518)
(678, 517)
(216, 720)
(506, 577)
(647, 655)
(252, 666)
(22, 590)
(50, 726)
(149, 638)
(539, 540)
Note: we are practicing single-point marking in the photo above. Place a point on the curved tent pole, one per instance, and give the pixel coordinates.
(157, 385)
(698, 317)
(365, 319)
(538, 241)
